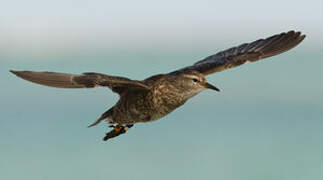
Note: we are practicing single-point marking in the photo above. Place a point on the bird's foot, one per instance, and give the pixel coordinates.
(117, 130)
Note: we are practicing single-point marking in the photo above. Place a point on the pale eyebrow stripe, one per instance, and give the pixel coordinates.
(193, 76)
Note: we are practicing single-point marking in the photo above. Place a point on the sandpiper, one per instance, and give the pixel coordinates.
(159, 95)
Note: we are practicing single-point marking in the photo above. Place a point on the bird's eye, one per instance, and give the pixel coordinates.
(195, 80)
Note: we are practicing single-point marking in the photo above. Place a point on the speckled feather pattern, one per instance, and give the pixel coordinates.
(159, 95)
(150, 105)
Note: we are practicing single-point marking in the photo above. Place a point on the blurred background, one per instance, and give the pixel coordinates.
(266, 123)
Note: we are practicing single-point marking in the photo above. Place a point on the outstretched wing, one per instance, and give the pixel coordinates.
(85, 80)
(248, 52)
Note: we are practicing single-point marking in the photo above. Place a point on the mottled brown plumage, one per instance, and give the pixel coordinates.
(157, 96)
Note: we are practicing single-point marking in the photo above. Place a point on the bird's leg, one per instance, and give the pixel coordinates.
(117, 130)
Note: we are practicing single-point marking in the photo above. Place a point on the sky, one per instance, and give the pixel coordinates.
(264, 124)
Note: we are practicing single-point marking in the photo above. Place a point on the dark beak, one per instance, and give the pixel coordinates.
(210, 86)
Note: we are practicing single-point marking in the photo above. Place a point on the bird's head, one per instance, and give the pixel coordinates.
(192, 82)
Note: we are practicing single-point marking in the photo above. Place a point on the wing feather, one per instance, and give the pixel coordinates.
(85, 80)
(247, 52)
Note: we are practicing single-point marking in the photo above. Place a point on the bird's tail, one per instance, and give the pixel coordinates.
(104, 116)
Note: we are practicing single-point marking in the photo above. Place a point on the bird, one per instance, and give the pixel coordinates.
(156, 96)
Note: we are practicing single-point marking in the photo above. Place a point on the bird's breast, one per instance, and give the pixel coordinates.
(147, 106)
(164, 99)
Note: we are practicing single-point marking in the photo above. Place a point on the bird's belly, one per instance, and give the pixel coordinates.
(161, 112)
(136, 113)
(131, 110)
(144, 108)
(129, 116)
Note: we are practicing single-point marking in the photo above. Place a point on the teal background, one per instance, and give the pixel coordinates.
(266, 123)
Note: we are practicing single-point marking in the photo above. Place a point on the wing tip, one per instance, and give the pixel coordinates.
(299, 37)
(21, 74)
(13, 71)
(17, 73)
(298, 34)
(302, 37)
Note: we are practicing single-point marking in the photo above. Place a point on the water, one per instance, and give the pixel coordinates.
(266, 123)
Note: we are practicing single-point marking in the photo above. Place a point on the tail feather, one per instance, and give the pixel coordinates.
(104, 116)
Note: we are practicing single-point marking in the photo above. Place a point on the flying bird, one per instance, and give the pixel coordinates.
(157, 96)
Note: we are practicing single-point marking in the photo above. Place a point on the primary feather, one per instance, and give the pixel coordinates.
(247, 52)
(86, 80)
